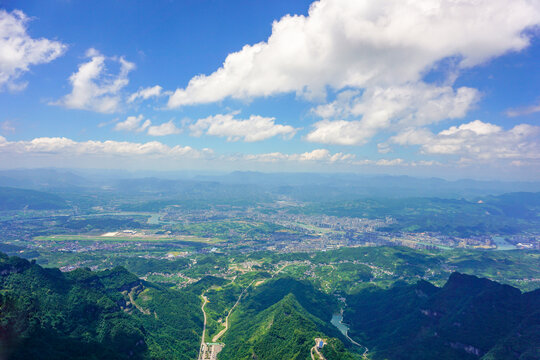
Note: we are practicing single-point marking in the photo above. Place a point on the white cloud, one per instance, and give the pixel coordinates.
(393, 108)
(383, 148)
(381, 162)
(255, 128)
(69, 147)
(365, 44)
(412, 136)
(7, 127)
(19, 51)
(477, 141)
(389, 162)
(146, 93)
(340, 132)
(412, 104)
(120, 154)
(317, 155)
(426, 163)
(138, 124)
(476, 127)
(167, 128)
(523, 111)
(93, 88)
(133, 123)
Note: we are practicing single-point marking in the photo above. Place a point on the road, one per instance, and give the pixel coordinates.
(344, 329)
(203, 349)
(366, 350)
(132, 300)
(220, 334)
(210, 350)
(315, 350)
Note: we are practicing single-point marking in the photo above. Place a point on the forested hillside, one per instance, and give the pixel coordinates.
(468, 318)
(281, 320)
(47, 314)
(19, 199)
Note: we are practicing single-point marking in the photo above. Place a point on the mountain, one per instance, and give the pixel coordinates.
(281, 320)
(112, 314)
(468, 318)
(332, 186)
(47, 314)
(40, 179)
(19, 199)
(299, 186)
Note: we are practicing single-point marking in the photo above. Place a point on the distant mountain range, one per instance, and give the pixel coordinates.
(302, 186)
(19, 199)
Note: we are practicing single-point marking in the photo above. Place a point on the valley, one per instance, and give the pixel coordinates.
(263, 277)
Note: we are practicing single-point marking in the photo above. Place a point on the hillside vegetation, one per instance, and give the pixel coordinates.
(19, 199)
(280, 320)
(468, 318)
(47, 314)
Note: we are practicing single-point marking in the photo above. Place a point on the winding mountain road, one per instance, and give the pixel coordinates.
(203, 348)
(220, 334)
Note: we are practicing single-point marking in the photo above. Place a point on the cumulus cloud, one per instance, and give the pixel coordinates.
(65, 146)
(340, 132)
(167, 128)
(94, 88)
(389, 162)
(139, 124)
(392, 108)
(412, 104)
(50, 150)
(133, 123)
(426, 163)
(19, 51)
(317, 155)
(382, 162)
(146, 93)
(477, 141)
(365, 44)
(255, 128)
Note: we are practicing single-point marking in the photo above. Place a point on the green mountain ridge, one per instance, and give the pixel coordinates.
(47, 314)
(83, 314)
(280, 320)
(468, 318)
(19, 199)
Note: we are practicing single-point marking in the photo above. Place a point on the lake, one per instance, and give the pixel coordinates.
(337, 322)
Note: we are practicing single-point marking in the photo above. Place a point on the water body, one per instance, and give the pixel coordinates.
(337, 321)
(502, 244)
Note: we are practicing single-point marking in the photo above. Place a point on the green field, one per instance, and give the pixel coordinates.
(124, 238)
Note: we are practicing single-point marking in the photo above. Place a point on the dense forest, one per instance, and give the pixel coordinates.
(19, 199)
(467, 318)
(280, 320)
(47, 314)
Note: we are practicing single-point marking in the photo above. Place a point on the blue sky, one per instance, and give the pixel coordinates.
(420, 87)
